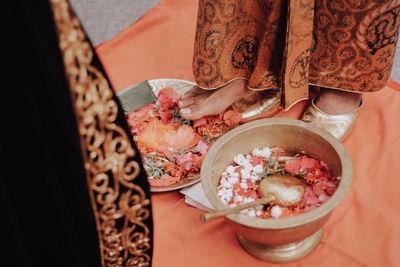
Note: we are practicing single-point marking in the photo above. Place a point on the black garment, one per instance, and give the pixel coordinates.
(45, 207)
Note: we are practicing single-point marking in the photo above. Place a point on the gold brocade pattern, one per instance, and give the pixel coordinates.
(120, 206)
(290, 44)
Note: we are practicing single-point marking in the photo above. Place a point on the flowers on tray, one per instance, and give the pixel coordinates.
(172, 147)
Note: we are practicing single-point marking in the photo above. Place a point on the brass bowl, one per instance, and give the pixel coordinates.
(288, 239)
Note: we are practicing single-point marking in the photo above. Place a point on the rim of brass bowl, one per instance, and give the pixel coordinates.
(309, 216)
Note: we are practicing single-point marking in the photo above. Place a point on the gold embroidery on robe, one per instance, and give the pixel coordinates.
(120, 206)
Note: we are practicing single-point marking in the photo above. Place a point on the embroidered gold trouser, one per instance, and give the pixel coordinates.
(291, 44)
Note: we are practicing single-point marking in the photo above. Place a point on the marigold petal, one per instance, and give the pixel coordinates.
(232, 117)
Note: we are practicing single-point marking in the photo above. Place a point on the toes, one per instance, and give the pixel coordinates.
(195, 100)
(189, 113)
(185, 112)
(186, 102)
(211, 103)
(195, 95)
(210, 106)
(195, 90)
(193, 112)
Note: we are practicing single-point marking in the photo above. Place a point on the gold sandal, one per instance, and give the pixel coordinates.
(260, 104)
(337, 125)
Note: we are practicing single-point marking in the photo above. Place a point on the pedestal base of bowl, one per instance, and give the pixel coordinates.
(281, 253)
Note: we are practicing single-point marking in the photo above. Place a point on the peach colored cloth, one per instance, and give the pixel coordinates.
(364, 230)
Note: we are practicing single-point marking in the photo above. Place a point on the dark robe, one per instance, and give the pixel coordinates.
(55, 211)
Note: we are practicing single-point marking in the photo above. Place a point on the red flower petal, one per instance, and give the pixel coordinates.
(319, 188)
(292, 166)
(232, 117)
(323, 198)
(202, 147)
(310, 197)
(184, 158)
(166, 117)
(255, 161)
(167, 98)
(169, 92)
(251, 193)
(199, 123)
(330, 187)
(164, 102)
(308, 163)
(165, 180)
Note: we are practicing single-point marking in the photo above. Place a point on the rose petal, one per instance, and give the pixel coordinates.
(307, 163)
(184, 158)
(165, 180)
(310, 197)
(292, 166)
(319, 188)
(166, 117)
(167, 98)
(141, 113)
(199, 123)
(164, 102)
(255, 161)
(169, 92)
(202, 147)
(251, 194)
(323, 197)
(232, 117)
(329, 187)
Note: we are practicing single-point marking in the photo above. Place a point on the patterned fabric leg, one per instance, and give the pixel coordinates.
(340, 44)
(354, 44)
(239, 39)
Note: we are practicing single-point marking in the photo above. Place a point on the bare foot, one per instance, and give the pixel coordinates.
(198, 103)
(336, 102)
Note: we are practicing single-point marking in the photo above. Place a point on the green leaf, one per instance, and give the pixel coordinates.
(178, 118)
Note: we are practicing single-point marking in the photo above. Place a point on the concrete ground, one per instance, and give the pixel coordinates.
(104, 19)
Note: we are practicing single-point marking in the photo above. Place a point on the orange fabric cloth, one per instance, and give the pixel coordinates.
(364, 230)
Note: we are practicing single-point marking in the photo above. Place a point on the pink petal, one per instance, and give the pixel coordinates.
(310, 197)
(165, 180)
(166, 117)
(255, 161)
(319, 188)
(323, 197)
(330, 187)
(292, 166)
(202, 147)
(169, 92)
(164, 102)
(307, 163)
(199, 123)
(184, 158)
(330, 190)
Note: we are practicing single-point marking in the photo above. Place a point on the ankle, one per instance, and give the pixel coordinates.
(335, 102)
(239, 88)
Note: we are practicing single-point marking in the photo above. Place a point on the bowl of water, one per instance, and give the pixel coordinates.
(287, 239)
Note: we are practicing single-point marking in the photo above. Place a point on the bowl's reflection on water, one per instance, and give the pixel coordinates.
(288, 239)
